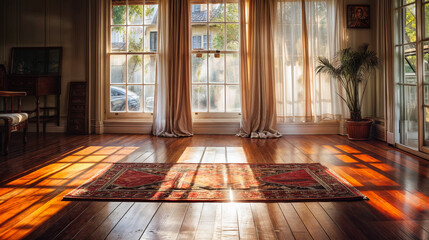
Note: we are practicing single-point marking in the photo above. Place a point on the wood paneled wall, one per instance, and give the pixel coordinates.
(47, 23)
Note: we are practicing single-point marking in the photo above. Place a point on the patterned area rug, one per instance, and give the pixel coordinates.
(215, 182)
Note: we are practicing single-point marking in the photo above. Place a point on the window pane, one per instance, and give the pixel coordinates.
(199, 68)
(398, 22)
(232, 37)
(218, 37)
(119, 14)
(409, 112)
(134, 94)
(117, 98)
(426, 126)
(426, 62)
(426, 94)
(135, 39)
(117, 69)
(150, 14)
(232, 68)
(149, 100)
(410, 64)
(217, 98)
(410, 23)
(198, 31)
(216, 69)
(135, 14)
(199, 98)
(233, 98)
(216, 12)
(151, 39)
(149, 69)
(135, 68)
(198, 12)
(118, 39)
(426, 22)
(231, 12)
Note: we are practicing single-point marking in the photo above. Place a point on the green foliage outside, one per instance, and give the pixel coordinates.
(232, 30)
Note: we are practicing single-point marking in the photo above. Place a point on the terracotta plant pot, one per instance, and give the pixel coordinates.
(359, 130)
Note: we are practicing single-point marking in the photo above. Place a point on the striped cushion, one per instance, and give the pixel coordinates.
(15, 118)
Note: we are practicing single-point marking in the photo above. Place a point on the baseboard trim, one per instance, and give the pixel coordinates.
(390, 137)
(229, 127)
(51, 127)
(379, 132)
(309, 128)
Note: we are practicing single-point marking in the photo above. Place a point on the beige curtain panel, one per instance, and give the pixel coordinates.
(258, 20)
(385, 52)
(172, 113)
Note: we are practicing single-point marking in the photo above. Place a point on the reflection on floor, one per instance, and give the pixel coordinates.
(34, 180)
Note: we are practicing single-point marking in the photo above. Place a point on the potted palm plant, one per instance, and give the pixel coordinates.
(351, 69)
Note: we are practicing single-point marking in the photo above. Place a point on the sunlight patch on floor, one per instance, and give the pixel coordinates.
(30, 200)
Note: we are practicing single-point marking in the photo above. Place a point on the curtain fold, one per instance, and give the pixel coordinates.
(385, 52)
(307, 30)
(258, 20)
(172, 113)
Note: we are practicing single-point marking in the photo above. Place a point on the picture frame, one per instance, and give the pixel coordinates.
(36, 61)
(358, 16)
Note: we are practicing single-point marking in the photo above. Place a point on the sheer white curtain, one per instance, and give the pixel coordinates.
(307, 30)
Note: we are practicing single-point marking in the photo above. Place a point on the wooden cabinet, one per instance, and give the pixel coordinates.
(77, 120)
(37, 71)
(38, 86)
(35, 85)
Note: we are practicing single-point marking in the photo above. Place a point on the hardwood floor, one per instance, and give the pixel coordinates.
(34, 180)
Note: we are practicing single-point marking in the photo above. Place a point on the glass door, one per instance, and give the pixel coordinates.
(412, 74)
(406, 74)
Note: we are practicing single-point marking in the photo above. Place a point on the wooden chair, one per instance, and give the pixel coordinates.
(11, 121)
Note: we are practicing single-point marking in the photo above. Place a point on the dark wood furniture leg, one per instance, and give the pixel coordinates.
(58, 110)
(37, 114)
(45, 112)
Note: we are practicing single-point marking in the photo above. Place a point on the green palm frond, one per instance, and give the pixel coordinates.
(351, 69)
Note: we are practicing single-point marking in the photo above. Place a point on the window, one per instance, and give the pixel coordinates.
(301, 94)
(205, 41)
(196, 42)
(216, 62)
(133, 53)
(153, 41)
(196, 8)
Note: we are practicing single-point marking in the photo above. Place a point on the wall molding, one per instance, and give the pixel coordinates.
(228, 127)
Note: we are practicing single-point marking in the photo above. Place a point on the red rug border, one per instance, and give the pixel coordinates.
(359, 196)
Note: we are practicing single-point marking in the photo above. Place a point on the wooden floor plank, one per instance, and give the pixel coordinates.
(207, 224)
(33, 182)
(246, 225)
(310, 222)
(108, 223)
(134, 222)
(171, 213)
(190, 223)
(297, 226)
(263, 224)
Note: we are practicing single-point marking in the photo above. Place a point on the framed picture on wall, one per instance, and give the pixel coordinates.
(358, 16)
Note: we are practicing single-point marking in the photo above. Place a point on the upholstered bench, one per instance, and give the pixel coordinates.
(11, 121)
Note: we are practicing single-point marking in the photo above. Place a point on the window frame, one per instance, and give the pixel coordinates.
(207, 114)
(129, 114)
